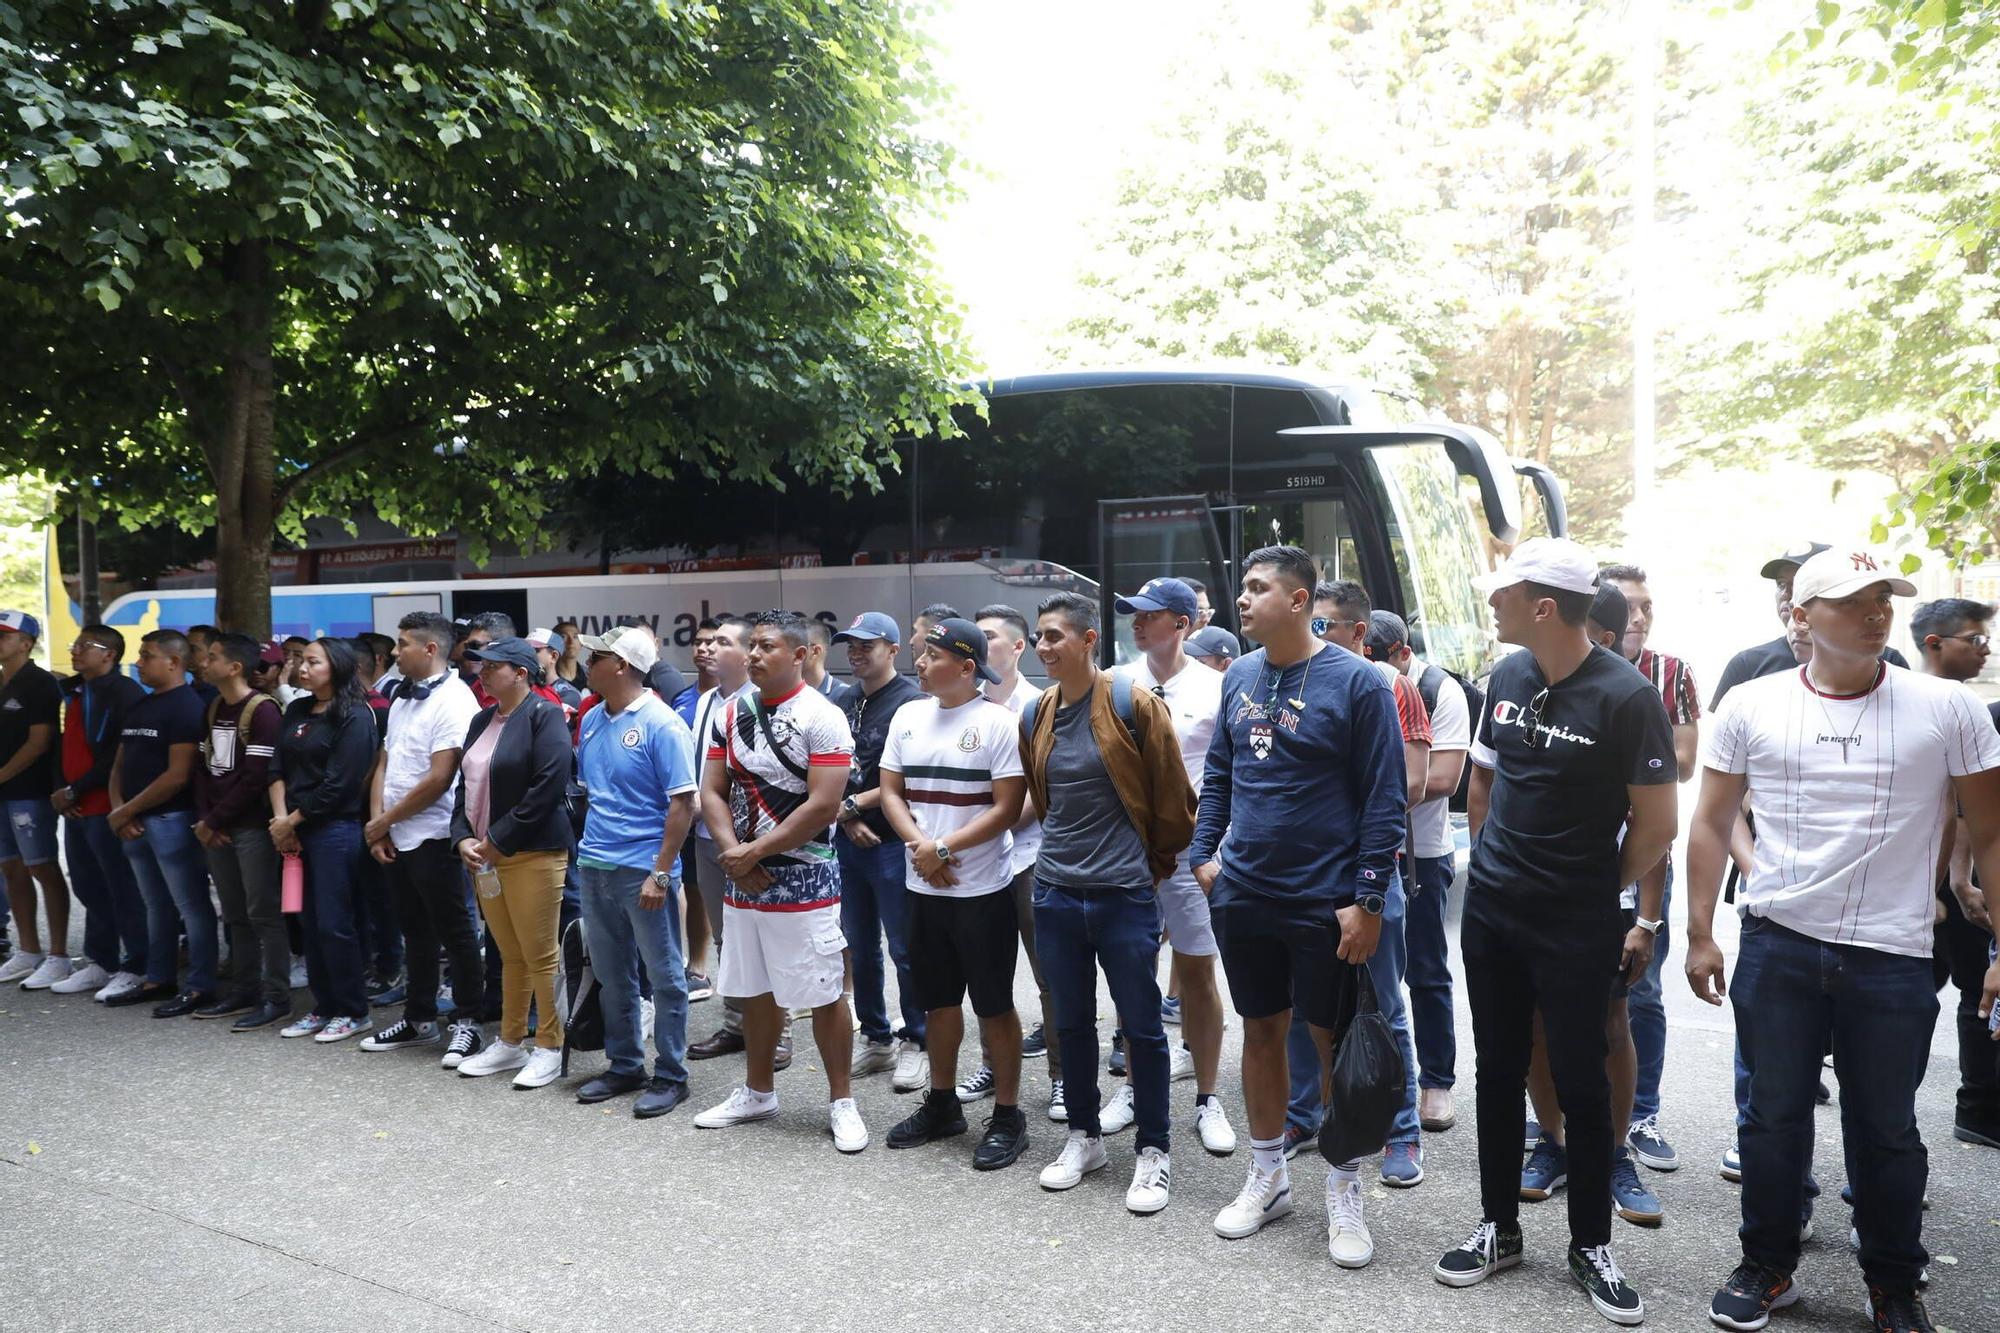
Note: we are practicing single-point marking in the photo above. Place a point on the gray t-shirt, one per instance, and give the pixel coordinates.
(1087, 837)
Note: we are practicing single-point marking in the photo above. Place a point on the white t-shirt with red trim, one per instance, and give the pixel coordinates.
(767, 781)
(1850, 796)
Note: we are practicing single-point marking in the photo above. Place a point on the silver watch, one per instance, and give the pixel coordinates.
(663, 879)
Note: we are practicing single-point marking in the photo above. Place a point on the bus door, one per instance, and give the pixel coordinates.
(1157, 536)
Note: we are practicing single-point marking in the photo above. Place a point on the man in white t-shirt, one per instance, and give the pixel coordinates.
(1164, 612)
(1851, 766)
(952, 787)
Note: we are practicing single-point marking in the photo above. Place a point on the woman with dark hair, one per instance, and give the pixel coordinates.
(319, 797)
(510, 825)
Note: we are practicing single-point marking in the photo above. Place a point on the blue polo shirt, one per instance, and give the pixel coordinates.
(631, 763)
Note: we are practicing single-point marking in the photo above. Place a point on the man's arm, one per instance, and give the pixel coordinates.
(680, 818)
(715, 804)
(1416, 772)
(1211, 821)
(825, 785)
(180, 764)
(1649, 832)
(1640, 942)
(1441, 773)
(1687, 744)
(1478, 794)
(1979, 798)
(1715, 814)
(1971, 900)
(40, 737)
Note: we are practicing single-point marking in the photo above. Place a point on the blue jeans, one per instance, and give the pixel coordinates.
(114, 911)
(1427, 972)
(1119, 929)
(872, 892)
(1385, 970)
(381, 931)
(1788, 991)
(172, 874)
(335, 961)
(1646, 1011)
(623, 937)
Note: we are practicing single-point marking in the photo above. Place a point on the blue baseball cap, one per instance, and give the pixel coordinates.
(21, 623)
(869, 626)
(1213, 641)
(1161, 595)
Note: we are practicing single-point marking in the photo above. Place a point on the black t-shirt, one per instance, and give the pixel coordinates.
(1550, 840)
(868, 718)
(32, 698)
(153, 725)
(1768, 659)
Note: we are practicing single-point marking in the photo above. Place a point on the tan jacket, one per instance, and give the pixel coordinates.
(1150, 777)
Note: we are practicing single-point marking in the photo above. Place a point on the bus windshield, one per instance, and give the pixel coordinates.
(1437, 555)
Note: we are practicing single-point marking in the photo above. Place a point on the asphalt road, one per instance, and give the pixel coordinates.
(170, 1176)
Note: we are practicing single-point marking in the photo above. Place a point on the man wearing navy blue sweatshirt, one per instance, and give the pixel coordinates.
(1301, 817)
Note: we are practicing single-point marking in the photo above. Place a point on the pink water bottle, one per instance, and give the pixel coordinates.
(292, 897)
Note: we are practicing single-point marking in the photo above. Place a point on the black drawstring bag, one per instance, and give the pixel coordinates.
(1368, 1079)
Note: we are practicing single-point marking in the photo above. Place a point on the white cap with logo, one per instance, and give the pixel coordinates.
(1554, 562)
(634, 643)
(1843, 571)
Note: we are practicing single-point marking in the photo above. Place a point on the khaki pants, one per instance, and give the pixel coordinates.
(523, 918)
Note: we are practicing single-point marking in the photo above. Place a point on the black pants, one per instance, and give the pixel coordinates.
(1566, 968)
(1958, 955)
(429, 892)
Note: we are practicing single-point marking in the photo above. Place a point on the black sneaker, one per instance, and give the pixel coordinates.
(1752, 1292)
(937, 1117)
(1006, 1139)
(466, 1041)
(262, 1017)
(1490, 1248)
(403, 1033)
(1898, 1312)
(184, 1004)
(1035, 1045)
(1117, 1062)
(1597, 1273)
(227, 1007)
(388, 990)
(1975, 1130)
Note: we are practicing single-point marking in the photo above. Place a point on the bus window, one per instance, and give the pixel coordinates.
(1436, 554)
(1322, 526)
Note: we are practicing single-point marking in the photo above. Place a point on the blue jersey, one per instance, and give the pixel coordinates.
(631, 763)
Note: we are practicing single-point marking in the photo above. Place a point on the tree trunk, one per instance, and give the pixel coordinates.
(241, 457)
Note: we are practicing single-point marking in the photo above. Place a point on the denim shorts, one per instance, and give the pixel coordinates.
(28, 832)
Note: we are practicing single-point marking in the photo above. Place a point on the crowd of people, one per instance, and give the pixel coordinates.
(418, 823)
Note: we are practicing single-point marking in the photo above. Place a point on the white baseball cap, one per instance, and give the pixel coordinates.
(1843, 571)
(1554, 562)
(634, 643)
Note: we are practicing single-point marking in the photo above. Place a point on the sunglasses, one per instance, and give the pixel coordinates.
(1534, 712)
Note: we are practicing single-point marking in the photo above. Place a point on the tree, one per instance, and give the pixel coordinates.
(268, 260)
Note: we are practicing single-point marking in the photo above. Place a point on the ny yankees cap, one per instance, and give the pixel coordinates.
(1840, 572)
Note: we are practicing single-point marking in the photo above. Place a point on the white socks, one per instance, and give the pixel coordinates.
(1268, 1156)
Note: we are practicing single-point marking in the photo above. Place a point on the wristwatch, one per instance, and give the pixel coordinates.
(1371, 903)
(663, 879)
(1650, 927)
(944, 853)
(848, 809)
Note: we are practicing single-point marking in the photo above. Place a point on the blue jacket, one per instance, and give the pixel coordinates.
(1303, 799)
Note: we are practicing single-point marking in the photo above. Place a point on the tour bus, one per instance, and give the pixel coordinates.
(1092, 481)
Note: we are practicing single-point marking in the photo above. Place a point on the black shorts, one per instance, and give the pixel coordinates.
(1281, 955)
(961, 945)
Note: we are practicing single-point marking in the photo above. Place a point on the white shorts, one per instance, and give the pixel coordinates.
(792, 956)
(1184, 910)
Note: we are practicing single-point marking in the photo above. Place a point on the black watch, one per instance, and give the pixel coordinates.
(1371, 903)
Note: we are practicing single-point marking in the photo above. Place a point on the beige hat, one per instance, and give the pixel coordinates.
(634, 643)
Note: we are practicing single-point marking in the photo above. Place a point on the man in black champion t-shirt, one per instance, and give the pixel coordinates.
(1571, 739)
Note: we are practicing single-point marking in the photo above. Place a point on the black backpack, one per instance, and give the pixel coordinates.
(578, 999)
(1428, 686)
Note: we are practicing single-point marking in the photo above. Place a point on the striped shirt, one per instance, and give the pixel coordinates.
(769, 745)
(949, 759)
(1671, 677)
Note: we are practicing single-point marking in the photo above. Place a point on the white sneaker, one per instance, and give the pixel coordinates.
(872, 1057)
(645, 1021)
(843, 1117)
(1082, 1154)
(1212, 1123)
(340, 1029)
(1150, 1179)
(299, 971)
(1347, 1238)
(495, 1059)
(1118, 1113)
(54, 968)
(544, 1067)
(89, 977)
(304, 1026)
(913, 1067)
(19, 966)
(1183, 1064)
(121, 983)
(1263, 1199)
(742, 1107)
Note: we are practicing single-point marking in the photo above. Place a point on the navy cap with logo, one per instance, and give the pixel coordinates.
(1214, 641)
(513, 652)
(964, 639)
(1784, 566)
(869, 626)
(1161, 595)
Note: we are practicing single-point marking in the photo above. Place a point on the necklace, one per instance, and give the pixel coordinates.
(1278, 679)
(1850, 735)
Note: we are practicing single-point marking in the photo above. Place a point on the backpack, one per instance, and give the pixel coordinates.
(1428, 686)
(1121, 702)
(250, 707)
(579, 999)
